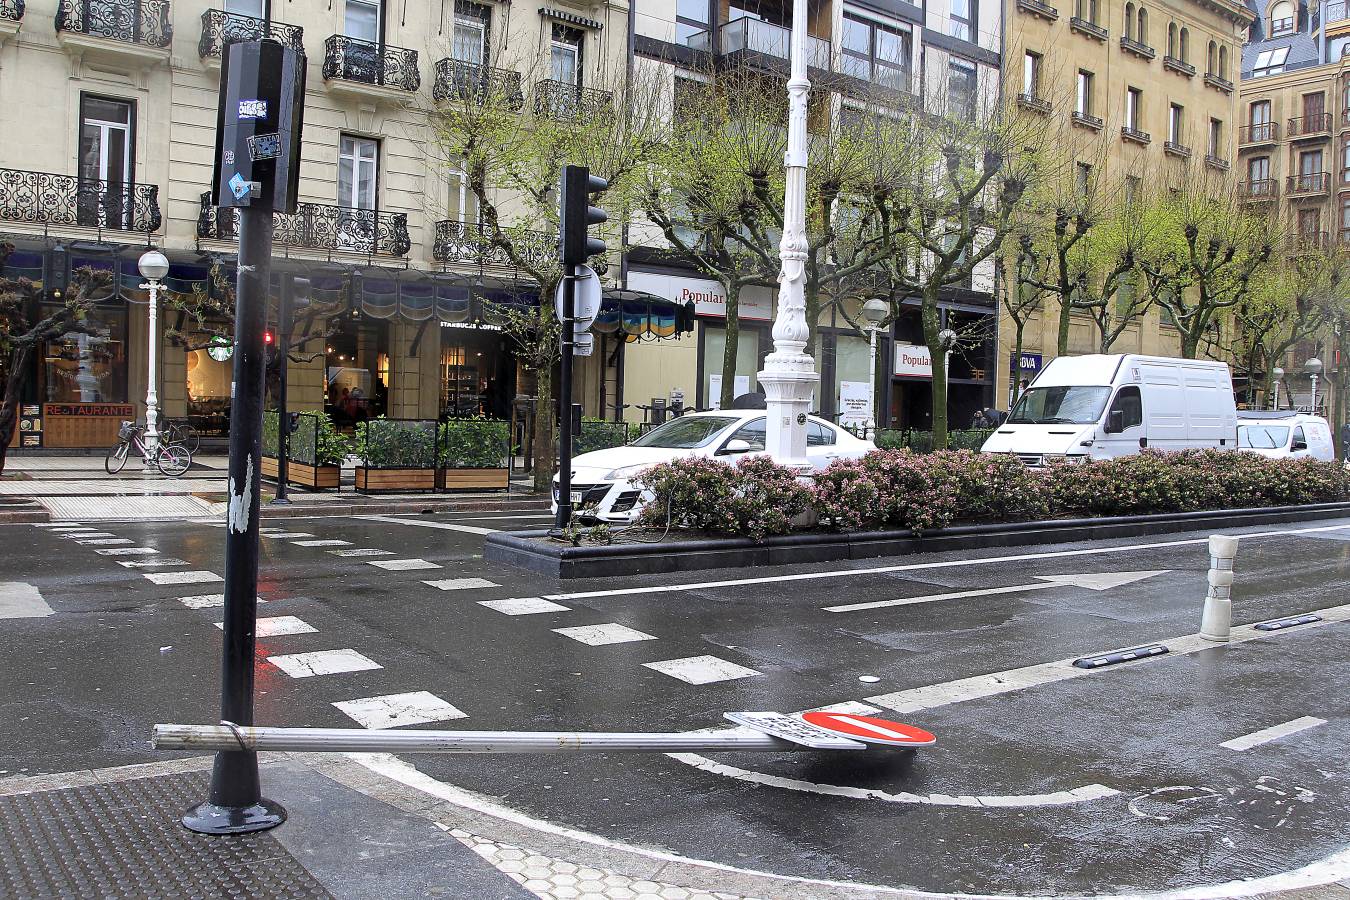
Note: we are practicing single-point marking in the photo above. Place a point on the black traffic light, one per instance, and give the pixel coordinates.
(577, 216)
(258, 126)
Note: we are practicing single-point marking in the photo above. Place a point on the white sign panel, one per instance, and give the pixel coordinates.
(740, 386)
(710, 298)
(913, 360)
(855, 403)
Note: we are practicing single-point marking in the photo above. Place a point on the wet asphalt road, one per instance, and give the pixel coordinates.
(1161, 803)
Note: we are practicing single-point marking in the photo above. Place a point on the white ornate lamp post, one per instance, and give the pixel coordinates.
(789, 375)
(153, 266)
(1313, 368)
(1277, 374)
(874, 311)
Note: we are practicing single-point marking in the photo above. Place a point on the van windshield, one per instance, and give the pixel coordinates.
(1263, 437)
(1062, 405)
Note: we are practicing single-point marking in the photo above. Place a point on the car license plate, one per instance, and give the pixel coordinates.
(578, 496)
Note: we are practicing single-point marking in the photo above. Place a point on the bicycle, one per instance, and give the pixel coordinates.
(171, 459)
(180, 433)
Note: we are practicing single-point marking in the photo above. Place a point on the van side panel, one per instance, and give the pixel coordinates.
(1164, 404)
(1208, 422)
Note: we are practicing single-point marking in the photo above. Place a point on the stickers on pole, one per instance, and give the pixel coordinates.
(793, 729)
(870, 730)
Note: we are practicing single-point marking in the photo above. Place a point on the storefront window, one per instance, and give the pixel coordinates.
(477, 372)
(356, 368)
(210, 369)
(88, 368)
(714, 341)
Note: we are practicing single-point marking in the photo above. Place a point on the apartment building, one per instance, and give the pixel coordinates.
(1145, 87)
(945, 53)
(107, 119)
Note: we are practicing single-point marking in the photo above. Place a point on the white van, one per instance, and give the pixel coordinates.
(1285, 433)
(1106, 405)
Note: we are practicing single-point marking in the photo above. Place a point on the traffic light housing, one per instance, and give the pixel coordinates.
(577, 216)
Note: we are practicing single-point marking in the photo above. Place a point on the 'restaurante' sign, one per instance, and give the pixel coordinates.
(710, 298)
(124, 410)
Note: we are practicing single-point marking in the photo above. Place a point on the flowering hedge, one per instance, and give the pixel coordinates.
(923, 492)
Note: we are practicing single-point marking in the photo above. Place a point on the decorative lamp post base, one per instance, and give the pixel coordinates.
(788, 389)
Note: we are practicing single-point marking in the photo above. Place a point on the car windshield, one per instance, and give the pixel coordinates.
(1061, 405)
(685, 433)
(1263, 437)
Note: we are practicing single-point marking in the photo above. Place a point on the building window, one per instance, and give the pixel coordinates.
(1258, 169)
(107, 127)
(1185, 44)
(1082, 178)
(873, 52)
(1281, 18)
(1129, 21)
(1212, 59)
(1223, 63)
(1216, 139)
(565, 55)
(470, 43)
(1142, 35)
(1270, 62)
(1309, 223)
(90, 366)
(691, 24)
(358, 165)
(962, 90)
(1314, 106)
(1345, 162)
(1345, 217)
(362, 20)
(1174, 122)
(463, 201)
(1259, 114)
(255, 8)
(1084, 101)
(1087, 10)
(962, 22)
(1133, 97)
(1172, 39)
(1031, 74)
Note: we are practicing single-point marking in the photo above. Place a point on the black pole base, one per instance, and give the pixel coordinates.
(208, 818)
(279, 501)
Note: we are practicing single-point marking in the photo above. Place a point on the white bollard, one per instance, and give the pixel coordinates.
(1216, 622)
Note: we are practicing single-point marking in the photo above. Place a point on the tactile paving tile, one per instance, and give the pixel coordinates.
(124, 840)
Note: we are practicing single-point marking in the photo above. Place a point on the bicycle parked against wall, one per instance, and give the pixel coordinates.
(171, 459)
(172, 432)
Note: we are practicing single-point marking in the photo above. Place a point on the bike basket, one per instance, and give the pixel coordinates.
(127, 431)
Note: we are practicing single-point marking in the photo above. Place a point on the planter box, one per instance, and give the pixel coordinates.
(317, 477)
(269, 467)
(472, 479)
(375, 480)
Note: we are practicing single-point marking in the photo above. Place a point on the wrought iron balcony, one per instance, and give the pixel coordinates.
(12, 9)
(1134, 134)
(1039, 8)
(1138, 48)
(1180, 66)
(1176, 148)
(1087, 120)
(1216, 162)
(1259, 133)
(317, 226)
(368, 63)
(144, 22)
(220, 29)
(1259, 190)
(1314, 126)
(468, 243)
(1031, 101)
(44, 198)
(1222, 84)
(484, 85)
(561, 100)
(1091, 29)
(1308, 184)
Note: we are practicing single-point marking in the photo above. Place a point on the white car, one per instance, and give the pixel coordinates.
(1285, 434)
(602, 479)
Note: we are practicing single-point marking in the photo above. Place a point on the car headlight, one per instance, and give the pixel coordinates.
(1052, 457)
(1076, 458)
(623, 473)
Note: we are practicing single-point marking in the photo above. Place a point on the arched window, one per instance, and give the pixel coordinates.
(1223, 63)
(1129, 21)
(1185, 44)
(1172, 39)
(1212, 59)
(1143, 26)
(1281, 18)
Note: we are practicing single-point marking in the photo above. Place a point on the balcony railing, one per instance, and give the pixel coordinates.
(1091, 29)
(220, 29)
(129, 21)
(1179, 66)
(317, 226)
(1216, 162)
(483, 85)
(1031, 101)
(1336, 12)
(1177, 149)
(12, 9)
(1138, 48)
(471, 244)
(1216, 81)
(1307, 184)
(1038, 8)
(1087, 120)
(768, 39)
(44, 198)
(1309, 126)
(370, 63)
(1259, 189)
(561, 100)
(1259, 133)
(1134, 134)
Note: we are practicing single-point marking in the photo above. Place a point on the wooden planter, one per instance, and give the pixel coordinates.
(375, 480)
(472, 479)
(298, 473)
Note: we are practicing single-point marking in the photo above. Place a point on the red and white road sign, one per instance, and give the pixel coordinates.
(870, 730)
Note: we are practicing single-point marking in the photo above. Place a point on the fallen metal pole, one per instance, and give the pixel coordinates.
(360, 740)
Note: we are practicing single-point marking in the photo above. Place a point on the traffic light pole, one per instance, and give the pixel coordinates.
(236, 804)
(285, 312)
(568, 343)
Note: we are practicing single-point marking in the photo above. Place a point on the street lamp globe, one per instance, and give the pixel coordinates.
(153, 265)
(1277, 373)
(1313, 367)
(875, 310)
(947, 338)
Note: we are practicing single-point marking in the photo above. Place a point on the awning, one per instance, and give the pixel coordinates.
(571, 18)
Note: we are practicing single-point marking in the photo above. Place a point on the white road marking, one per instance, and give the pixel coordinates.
(701, 669)
(609, 633)
(69, 526)
(460, 584)
(403, 565)
(447, 526)
(196, 577)
(128, 551)
(362, 551)
(152, 563)
(105, 542)
(1097, 582)
(84, 535)
(327, 542)
(21, 600)
(274, 626)
(323, 662)
(284, 535)
(995, 683)
(1273, 733)
(915, 567)
(395, 710)
(204, 601)
(524, 606)
(498, 518)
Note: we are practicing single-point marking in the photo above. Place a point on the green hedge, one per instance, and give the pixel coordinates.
(473, 444)
(922, 441)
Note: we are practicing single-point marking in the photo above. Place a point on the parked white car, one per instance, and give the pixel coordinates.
(1285, 433)
(602, 479)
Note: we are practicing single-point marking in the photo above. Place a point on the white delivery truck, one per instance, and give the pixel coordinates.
(1287, 433)
(1106, 405)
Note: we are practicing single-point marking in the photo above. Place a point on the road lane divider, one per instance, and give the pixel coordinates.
(1273, 733)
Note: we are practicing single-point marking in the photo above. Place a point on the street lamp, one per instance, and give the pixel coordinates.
(1312, 368)
(153, 266)
(789, 377)
(1277, 374)
(874, 311)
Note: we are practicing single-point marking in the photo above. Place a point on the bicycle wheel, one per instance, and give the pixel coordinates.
(189, 438)
(117, 458)
(173, 460)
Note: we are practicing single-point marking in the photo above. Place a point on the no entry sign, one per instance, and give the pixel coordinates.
(870, 730)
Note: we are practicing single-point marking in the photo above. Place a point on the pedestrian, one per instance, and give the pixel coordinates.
(1345, 442)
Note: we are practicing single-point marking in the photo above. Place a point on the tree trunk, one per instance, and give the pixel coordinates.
(932, 327)
(1062, 335)
(1016, 364)
(17, 377)
(1190, 345)
(543, 431)
(731, 345)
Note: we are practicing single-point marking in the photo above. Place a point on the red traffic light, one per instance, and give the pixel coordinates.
(267, 337)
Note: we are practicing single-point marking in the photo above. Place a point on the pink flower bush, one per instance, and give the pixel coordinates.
(754, 498)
